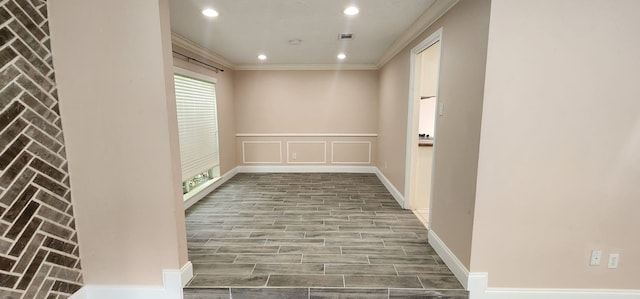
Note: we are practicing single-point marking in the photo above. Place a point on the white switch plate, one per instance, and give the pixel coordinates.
(440, 109)
(596, 256)
(614, 258)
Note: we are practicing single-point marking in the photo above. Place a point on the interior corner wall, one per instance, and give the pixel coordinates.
(39, 253)
(560, 150)
(225, 103)
(461, 89)
(115, 86)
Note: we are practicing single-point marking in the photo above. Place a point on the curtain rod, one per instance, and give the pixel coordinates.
(191, 59)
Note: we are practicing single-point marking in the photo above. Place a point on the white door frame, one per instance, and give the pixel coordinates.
(412, 120)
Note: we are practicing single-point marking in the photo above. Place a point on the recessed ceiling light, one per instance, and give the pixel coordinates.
(342, 56)
(210, 12)
(262, 57)
(351, 11)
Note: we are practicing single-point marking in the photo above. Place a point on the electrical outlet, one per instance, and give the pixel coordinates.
(614, 258)
(295, 156)
(596, 256)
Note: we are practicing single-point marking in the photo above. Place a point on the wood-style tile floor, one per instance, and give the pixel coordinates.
(311, 235)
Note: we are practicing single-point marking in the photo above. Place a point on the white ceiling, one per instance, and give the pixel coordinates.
(246, 28)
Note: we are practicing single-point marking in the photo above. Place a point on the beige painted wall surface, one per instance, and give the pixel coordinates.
(462, 69)
(306, 101)
(560, 152)
(225, 106)
(116, 97)
(392, 118)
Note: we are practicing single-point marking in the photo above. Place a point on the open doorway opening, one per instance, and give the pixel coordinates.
(424, 109)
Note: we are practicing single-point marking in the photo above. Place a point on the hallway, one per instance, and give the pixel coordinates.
(311, 235)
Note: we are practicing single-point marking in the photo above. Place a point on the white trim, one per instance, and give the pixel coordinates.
(306, 135)
(450, 259)
(80, 294)
(477, 284)
(310, 168)
(171, 289)
(431, 15)
(324, 151)
(412, 123)
(188, 45)
(478, 290)
(306, 67)
(186, 273)
(188, 202)
(394, 192)
(504, 293)
(244, 160)
(350, 142)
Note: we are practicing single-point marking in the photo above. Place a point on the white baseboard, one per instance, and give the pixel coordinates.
(394, 192)
(171, 289)
(306, 168)
(186, 273)
(202, 193)
(456, 266)
(478, 289)
(500, 293)
(80, 294)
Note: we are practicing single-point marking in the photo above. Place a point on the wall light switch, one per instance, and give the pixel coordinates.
(614, 258)
(596, 256)
(440, 109)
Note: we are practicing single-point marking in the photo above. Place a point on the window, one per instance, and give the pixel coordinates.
(197, 127)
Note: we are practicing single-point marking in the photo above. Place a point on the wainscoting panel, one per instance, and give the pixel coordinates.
(306, 152)
(306, 149)
(261, 152)
(39, 255)
(351, 152)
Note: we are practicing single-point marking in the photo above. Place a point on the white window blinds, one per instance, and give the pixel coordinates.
(197, 125)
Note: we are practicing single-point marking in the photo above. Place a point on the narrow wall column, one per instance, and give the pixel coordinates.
(113, 62)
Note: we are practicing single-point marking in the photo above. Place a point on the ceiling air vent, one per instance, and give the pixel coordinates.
(345, 36)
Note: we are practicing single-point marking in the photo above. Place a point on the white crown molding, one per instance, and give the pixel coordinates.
(189, 45)
(431, 15)
(306, 67)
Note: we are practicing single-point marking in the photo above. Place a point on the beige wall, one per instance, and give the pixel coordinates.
(224, 102)
(306, 101)
(307, 114)
(118, 114)
(559, 158)
(462, 68)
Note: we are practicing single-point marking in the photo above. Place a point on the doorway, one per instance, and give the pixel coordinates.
(424, 109)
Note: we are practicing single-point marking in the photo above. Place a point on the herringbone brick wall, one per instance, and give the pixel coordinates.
(38, 246)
